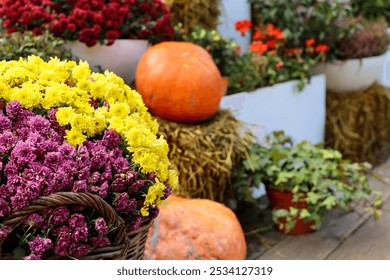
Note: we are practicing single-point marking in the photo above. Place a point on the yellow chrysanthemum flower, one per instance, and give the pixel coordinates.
(89, 103)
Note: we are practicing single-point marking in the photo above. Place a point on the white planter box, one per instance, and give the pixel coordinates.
(281, 107)
(386, 70)
(121, 57)
(352, 75)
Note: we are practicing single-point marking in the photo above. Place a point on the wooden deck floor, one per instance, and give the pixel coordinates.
(343, 236)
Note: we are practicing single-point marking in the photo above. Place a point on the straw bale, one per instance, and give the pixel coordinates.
(195, 12)
(358, 124)
(205, 154)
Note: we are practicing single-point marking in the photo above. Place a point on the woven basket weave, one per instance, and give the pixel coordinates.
(124, 246)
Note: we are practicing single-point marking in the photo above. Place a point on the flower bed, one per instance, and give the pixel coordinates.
(66, 129)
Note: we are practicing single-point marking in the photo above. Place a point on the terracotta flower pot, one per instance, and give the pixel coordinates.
(283, 200)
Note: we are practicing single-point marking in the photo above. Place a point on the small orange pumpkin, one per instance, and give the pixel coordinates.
(189, 229)
(179, 82)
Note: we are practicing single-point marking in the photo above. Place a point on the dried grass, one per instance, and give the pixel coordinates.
(358, 124)
(205, 154)
(195, 12)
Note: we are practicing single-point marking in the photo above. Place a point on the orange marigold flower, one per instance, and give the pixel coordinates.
(322, 48)
(258, 47)
(310, 42)
(243, 26)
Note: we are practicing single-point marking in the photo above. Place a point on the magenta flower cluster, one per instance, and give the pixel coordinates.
(36, 161)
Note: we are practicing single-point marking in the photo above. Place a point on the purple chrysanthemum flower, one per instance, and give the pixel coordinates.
(4, 231)
(80, 186)
(167, 191)
(60, 215)
(5, 124)
(7, 141)
(34, 220)
(131, 176)
(79, 250)
(94, 178)
(100, 241)
(122, 203)
(112, 138)
(80, 234)
(154, 212)
(39, 124)
(101, 226)
(62, 245)
(152, 176)
(136, 185)
(76, 221)
(67, 151)
(52, 159)
(118, 185)
(39, 245)
(5, 210)
(14, 109)
(23, 153)
(135, 223)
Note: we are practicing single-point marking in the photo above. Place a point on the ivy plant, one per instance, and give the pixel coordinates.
(320, 177)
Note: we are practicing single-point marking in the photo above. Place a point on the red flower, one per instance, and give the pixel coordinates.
(68, 18)
(243, 26)
(257, 35)
(258, 47)
(322, 48)
(310, 42)
(271, 44)
(273, 31)
(279, 65)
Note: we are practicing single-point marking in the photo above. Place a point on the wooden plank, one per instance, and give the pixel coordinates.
(259, 243)
(337, 226)
(302, 247)
(369, 242)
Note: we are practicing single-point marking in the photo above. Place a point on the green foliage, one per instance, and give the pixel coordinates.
(306, 19)
(372, 9)
(16, 45)
(318, 176)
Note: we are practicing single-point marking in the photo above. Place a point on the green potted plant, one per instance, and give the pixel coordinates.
(16, 45)
(360, 56)
(304, 181)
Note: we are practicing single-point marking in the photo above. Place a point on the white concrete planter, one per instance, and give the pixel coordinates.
(281, 107)
(353, 74)
(386, 70)
(121, 58)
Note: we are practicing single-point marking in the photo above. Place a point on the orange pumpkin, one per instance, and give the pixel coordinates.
(179, 82)
(189, 229)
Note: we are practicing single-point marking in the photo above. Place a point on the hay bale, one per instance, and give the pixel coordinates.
(358, 124)
(195, 12)
(205, 154)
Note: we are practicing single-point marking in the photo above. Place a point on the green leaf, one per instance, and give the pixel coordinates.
(280, 213)
(293, 211)
(304, 214)
(19, 253)
(329, 202)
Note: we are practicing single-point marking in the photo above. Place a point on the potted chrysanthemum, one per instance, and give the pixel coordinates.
(82, 171)
(110, 34)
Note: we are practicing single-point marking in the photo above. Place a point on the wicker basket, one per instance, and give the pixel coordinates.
(125, 245)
